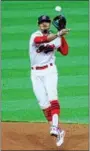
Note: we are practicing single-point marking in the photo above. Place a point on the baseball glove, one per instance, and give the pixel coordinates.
(59, 22)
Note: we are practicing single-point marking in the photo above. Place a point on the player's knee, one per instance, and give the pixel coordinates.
(44, 105)
(53, 95)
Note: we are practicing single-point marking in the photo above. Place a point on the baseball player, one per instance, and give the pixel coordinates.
(44, 75)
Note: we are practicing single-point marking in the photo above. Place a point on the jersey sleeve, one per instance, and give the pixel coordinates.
(63, 49)
(40, 39)
(37, 38)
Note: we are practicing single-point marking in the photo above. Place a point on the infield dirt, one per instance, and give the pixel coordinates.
(35, 136)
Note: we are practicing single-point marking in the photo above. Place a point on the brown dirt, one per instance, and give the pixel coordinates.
(35, 136)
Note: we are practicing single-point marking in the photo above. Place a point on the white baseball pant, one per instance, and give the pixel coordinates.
(44, 84)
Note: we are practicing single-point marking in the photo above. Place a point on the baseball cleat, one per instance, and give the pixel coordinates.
(54, 131)
(60, 137)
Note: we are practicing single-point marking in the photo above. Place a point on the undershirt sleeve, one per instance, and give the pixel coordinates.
(63, 49)
(40, 39)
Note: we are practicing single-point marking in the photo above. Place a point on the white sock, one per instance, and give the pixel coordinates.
(55, 120)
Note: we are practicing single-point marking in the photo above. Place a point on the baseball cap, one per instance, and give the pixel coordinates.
(43, 18)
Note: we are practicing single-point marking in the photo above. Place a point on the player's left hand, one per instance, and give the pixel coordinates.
(63, 32)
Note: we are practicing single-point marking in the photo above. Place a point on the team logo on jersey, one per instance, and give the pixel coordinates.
(45, 48)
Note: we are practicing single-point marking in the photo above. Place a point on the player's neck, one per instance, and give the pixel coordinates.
(45, 32)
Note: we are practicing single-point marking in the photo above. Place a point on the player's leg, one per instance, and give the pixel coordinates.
(51, 81)
(41, 95)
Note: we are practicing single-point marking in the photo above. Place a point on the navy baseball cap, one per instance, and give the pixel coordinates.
(44, 18)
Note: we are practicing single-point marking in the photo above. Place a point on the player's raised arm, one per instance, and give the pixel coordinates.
(60, 23)
(50, 37)
(43, 39)
(58, 34)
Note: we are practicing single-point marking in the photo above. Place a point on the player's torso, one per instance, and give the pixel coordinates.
(40, 59)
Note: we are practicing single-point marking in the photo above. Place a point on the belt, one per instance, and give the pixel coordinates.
(42, 67)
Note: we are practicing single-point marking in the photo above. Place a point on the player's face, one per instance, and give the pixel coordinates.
(44, 25)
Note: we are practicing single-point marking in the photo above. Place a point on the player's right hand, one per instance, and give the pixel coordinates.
(63, 32)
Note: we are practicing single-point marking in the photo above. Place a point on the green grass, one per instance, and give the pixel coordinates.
(19, 20)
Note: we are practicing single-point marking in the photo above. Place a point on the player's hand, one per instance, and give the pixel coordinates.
(63, 32)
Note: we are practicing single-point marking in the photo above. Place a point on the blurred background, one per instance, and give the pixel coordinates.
(19, 21)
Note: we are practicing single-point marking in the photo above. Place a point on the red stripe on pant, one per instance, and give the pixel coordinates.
(47, 113)
(55, 107)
